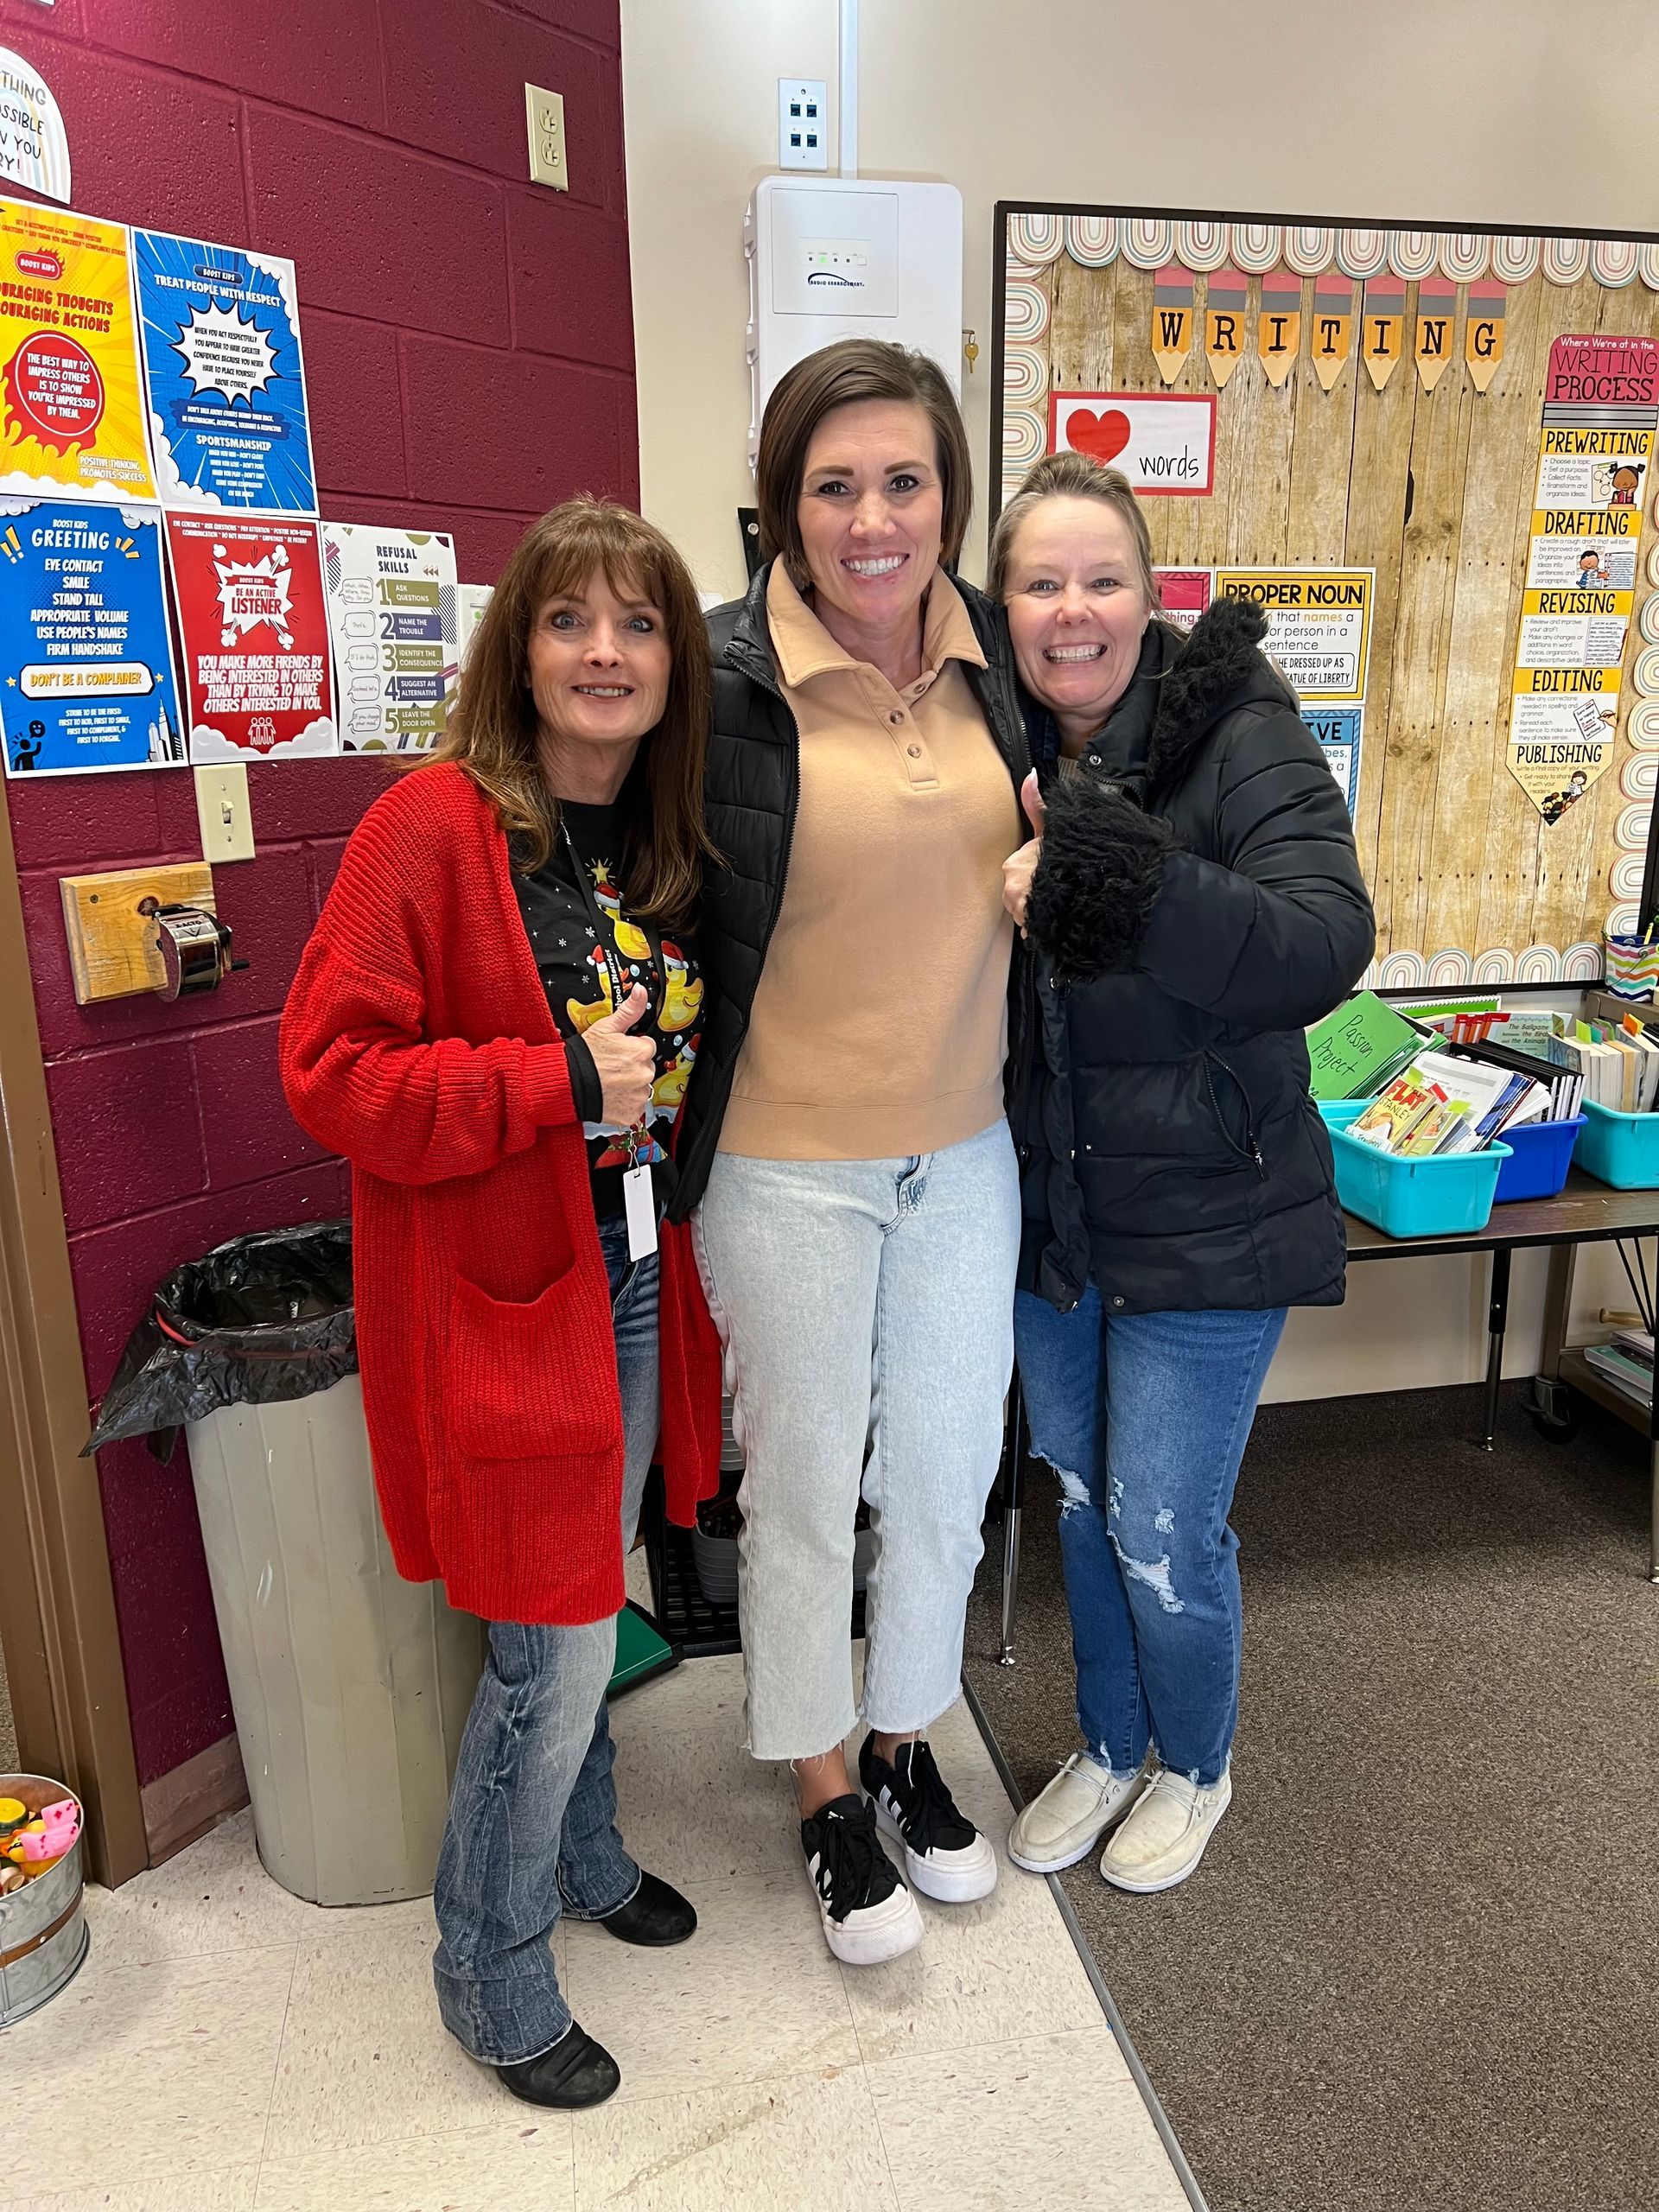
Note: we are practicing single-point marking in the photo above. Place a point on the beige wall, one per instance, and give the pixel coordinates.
(1469, 111)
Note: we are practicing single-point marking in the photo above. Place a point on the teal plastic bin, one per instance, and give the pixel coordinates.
(1417, 1198)
(1337, 1113)
(1622, 1149)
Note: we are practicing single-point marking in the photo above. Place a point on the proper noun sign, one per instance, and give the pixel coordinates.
(1164, 442)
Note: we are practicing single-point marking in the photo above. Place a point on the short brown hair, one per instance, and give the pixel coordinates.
(842, 375)
(1072, 476)
(493, 729)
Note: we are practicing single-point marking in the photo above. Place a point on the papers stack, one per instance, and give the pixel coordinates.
(1449, 1103)
(1618, 1063)
(1627, 1364)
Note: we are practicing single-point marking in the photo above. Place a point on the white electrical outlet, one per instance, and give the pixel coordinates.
(544, 121)
(803, 124)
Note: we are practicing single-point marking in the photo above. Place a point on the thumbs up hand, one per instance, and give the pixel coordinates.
(1019, 867)
(626, 1064)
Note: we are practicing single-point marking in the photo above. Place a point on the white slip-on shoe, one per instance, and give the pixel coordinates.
(1164, 1836)
(1064, 1822)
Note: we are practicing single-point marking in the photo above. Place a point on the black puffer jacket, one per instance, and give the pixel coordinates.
(1198, 902)
(752, 789)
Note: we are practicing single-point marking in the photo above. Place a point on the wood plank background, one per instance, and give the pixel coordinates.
(1435, 490)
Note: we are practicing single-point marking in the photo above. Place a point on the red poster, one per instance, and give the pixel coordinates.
(1597, 371)
(256, 637)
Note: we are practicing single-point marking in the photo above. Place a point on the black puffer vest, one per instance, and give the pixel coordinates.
(1198, 903)
(752, 789)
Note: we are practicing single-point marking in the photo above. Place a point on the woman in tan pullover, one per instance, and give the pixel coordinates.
(845, 1131)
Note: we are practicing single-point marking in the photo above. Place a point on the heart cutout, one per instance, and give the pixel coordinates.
(1102, 436)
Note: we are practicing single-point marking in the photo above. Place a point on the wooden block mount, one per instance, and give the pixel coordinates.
(112, 946)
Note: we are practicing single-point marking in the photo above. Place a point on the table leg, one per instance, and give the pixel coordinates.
(1653, 1492)
(1013, 1492)
(1557, 1302)
(1497, 1317)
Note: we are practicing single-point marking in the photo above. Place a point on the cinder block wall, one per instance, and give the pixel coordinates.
(469, 351)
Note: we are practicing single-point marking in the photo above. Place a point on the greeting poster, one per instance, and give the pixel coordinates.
(71, 414)
(256, 637)
(392, 616)
(86, 667)
(225, 380)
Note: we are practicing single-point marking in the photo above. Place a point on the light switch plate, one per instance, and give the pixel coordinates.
(544, 120)
(222, 811)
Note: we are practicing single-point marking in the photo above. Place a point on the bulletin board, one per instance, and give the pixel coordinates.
(1430, 456)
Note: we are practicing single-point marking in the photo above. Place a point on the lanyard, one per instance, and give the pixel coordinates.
(619, 980)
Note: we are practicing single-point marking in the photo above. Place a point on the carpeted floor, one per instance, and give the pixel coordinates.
(1419, 1964)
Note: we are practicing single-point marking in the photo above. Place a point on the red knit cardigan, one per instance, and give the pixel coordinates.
(417, 1041)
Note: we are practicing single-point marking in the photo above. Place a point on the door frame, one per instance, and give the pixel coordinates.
(62, 1645)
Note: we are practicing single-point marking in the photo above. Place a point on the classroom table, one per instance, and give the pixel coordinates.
(1585, 1212)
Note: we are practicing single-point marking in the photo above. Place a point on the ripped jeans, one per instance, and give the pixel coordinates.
(1145, 1418)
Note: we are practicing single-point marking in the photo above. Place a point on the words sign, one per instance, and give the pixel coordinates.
(1164, 442)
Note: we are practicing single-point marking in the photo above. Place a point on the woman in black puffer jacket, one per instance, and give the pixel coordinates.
(1193, 901)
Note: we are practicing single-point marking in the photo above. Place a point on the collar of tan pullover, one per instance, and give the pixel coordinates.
(878, 1028)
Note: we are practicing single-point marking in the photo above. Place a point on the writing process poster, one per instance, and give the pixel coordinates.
(1318, 625)
(87, 677)
(225, 381)
(256, 637)
(71, 413)
(392, 615)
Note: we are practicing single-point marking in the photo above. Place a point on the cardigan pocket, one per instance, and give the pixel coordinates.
(528, 1380)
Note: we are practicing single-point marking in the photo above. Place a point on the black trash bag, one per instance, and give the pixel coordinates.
(256, 1321)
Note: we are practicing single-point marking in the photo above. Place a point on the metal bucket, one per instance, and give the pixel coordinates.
(43, 1936)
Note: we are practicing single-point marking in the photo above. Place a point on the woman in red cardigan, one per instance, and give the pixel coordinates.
(495, 1021)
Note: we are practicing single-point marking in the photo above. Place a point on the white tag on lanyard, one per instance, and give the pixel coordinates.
(640, 1205)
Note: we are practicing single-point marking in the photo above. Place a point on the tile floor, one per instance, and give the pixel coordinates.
(227, 2049)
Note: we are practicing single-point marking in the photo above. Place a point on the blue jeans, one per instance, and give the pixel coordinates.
(532, 1811)
(1144, 1420)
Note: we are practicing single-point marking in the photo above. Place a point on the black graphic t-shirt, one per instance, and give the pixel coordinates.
(573, 926)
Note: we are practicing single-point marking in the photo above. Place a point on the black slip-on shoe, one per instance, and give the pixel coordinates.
(576, 2073)
(656, 1915)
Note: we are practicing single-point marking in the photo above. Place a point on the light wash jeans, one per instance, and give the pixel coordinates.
(866, 1309)
(1145, 1418)
(532, 1812)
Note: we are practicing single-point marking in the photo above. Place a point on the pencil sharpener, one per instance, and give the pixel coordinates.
(195, 950)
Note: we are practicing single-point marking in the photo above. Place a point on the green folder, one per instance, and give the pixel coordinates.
(1353, 1052)
(641, 1652)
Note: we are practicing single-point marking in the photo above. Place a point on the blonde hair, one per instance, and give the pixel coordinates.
(1072, 476)
(492, 733)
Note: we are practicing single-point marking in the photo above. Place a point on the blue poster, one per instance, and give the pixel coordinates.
(1340, 731)
(85, 665)
(226, 387)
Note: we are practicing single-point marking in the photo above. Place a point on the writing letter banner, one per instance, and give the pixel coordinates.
(1333, 325)
(1226, 297)
(1483, 334)
(1172, 318)
(1437, 312)
(1279, 326)
(1383, 325)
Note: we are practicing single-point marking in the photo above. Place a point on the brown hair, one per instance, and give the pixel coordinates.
(1072, 476)
(493, 729)
(842, 375)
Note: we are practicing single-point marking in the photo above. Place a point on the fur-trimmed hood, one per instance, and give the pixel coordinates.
(1219, 665)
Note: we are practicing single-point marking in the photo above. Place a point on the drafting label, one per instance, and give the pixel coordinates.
(392, 617)
(1319, 624)
(224, 377)
(71, 417)
(86, 669)
(256, 637)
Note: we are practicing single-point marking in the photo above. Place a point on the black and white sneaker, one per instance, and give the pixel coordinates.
(946, 1856)
(869, 1915)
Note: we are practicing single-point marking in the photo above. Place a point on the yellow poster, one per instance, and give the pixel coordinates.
(1561, 726)
(1319, 624)
(70, 410)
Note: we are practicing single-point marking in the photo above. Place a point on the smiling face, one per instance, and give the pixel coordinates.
(871, 514)
(1077, 609)
(599, 663)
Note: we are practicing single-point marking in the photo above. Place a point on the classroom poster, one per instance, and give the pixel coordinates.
(86, 678)
(392, 618)
(256, 637)
(1318, 625)
(226, 384)
(1340, 732)
(71, 414)
(1185, 594)
(1595, 449)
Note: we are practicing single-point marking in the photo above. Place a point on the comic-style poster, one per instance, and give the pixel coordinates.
(87, 679)
(256, 637)
(223, 376)
(392, 613)
(71, 410)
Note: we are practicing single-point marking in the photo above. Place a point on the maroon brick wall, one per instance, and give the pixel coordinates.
(469, 352)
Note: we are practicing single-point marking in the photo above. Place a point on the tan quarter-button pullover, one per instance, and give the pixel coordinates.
(878, 1026)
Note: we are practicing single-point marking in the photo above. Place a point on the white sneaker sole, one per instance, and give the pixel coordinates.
(884, 1934)
(973, 1876)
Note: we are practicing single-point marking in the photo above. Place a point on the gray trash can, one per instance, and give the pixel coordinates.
(350, 1686)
